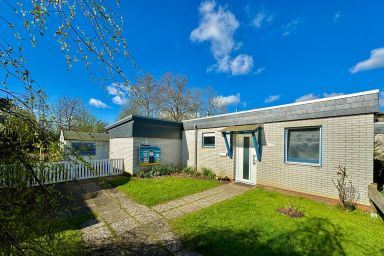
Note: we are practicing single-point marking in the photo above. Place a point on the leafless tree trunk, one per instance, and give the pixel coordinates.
(175, 100)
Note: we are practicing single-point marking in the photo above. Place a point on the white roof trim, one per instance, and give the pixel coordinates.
(290, 104)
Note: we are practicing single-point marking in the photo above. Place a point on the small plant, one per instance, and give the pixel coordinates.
(291, 211)
(160, 170)
(225, 179)
(208, 173)
(188, 170)
(348, 194)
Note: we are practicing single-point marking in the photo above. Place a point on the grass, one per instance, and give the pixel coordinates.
(250, 225)
(67, 241)
(152, 191)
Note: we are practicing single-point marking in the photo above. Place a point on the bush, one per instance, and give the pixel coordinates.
(348, 194)
(160, 170)
(189, 170)
(208, 173)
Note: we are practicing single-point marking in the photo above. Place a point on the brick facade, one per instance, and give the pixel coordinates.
(128, 148)
(346, 140)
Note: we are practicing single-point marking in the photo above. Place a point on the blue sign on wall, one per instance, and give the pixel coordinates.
(149, 155)
(84, 148)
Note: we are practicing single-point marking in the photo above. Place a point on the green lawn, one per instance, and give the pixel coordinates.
(152, 191)
(250, 225)
(67, 241)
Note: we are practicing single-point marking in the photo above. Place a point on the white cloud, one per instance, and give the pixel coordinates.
(262, 18)
(118, 92)
(224, 101)
(97, 103)
(217, 25)
(260, 70)
(242, 64)
(272, 98)
(376, 60)
(336, 17)
(119, 100)
(312, 96)
(290, 27)
(112, 90)
(332, 94)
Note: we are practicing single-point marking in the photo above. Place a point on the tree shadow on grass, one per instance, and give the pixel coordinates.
(315, 236)
(116, 181)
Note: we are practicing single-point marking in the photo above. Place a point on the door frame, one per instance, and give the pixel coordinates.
(252, 161)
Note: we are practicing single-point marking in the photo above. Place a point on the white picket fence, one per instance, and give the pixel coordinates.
(55, 172)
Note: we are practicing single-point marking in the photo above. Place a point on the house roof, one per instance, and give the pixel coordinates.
(149, 120)
(85, 136)
(344, 105)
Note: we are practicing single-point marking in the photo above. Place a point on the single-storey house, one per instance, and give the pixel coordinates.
(89, 145)
(296, 146)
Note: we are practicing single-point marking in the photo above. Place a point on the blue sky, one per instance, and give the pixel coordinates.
(253, 53)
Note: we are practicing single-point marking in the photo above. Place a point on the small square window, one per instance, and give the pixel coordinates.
(303, 145)
(209, 140)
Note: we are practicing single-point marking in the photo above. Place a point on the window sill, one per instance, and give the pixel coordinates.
(306, 164)
(208, 146)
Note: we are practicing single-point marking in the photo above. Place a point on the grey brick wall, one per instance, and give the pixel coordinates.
(128, 148)
(347, 140)
(170, 150)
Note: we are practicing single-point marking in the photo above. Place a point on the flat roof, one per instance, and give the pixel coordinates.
(343, 105)
(85, 136)
(289, 104)
(142, 119)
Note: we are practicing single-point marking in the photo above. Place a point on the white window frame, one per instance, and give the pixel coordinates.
(286, 145)
(208, 134)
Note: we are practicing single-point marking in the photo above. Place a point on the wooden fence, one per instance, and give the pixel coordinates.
(49, 173)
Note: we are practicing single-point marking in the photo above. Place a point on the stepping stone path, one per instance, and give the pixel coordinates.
(194, 202)
(124, 227)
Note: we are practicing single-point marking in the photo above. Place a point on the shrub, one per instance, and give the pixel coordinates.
(160, 170)
(208, 173)
(348, 194)
(189, 170)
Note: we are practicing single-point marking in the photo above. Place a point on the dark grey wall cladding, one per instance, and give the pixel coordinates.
(379, 128)
(149, 130)
(359, 104)
(146, 127)
(121, 131)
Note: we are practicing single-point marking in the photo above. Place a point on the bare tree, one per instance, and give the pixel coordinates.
(143, 98)
(210, 103)
(71, 114)
(68, 111)
(175, 100)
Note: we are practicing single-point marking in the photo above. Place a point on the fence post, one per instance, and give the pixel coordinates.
(110, 166)
(73, 175)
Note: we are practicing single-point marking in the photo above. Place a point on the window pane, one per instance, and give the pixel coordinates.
(208, 140)
(246, 158)
(304, 145)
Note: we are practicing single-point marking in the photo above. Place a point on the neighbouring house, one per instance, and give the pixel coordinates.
(296, 146)
(89, 145)
(131, 133)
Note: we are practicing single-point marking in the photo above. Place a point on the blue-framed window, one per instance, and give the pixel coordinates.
(303, 145)
(208, 140)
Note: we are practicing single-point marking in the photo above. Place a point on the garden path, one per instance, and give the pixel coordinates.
(124, 227)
